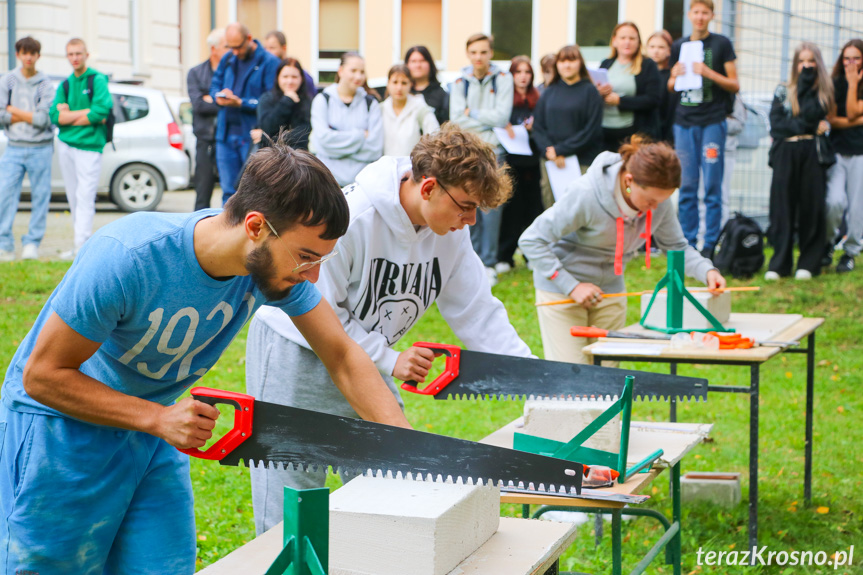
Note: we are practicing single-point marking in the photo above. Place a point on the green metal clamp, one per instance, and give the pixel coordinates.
(574, 450)
(677, 292)
(306, 535)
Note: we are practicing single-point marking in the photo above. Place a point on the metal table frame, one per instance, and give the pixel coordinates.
(753, 390)
(670, 540)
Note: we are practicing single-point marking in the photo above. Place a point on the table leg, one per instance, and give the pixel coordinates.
(753, 456)
(525, 511)
(597, 529)
(673, 400)
(810, 404)
(676, 516)
(616, 543)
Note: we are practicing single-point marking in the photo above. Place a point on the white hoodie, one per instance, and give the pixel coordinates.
(402, 132)
(387, 274)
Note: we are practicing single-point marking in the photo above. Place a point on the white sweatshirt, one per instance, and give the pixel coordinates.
(387, 274)
(402, 132)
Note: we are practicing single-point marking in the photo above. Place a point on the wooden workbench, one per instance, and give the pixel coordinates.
(519, 547)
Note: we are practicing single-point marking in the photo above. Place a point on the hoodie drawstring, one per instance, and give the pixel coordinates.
(618, 248)
(646, 236)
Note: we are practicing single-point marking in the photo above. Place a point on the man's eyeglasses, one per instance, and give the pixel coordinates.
(301, 267)
(464, 209)
(240, 47)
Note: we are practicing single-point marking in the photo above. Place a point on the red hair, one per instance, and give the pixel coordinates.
(532, 97)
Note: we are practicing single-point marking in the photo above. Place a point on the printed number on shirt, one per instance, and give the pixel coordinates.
(181, 351)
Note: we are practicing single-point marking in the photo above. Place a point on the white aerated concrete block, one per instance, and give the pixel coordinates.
(719, 306)
(384, 526)
(563, 420)
(721, 488)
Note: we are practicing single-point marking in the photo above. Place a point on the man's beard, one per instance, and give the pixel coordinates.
(259, 264)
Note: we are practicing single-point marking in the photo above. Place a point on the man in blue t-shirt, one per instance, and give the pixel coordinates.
(699, 125)
(90, 480)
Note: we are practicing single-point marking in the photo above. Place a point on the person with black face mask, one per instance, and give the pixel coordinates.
(799, 158)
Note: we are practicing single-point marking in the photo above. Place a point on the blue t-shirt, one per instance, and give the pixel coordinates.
(137, 288)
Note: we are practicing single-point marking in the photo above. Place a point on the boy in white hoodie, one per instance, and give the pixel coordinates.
(407, 246)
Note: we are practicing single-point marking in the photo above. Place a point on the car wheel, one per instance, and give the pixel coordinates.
(137, 188)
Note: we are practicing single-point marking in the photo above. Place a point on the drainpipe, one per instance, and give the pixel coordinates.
(212, 14)
(10, 18)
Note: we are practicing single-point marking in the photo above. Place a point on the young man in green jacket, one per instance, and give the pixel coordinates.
(81, 116)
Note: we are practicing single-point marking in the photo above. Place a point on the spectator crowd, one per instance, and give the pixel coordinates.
(383, 188)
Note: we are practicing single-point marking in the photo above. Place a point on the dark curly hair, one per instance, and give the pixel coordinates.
(461, 159)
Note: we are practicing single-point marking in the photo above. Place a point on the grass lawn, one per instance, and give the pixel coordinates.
(833, 522)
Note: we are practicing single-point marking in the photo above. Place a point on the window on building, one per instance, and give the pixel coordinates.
(594, 22)
(672, 17)
(338, 28)
(421, 25)
(259, 16)
(511, 25)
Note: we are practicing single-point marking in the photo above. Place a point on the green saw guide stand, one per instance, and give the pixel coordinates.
(306, 535)
(573, 450)
(673, 281)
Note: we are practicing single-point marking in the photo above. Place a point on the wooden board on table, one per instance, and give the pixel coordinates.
(675, 439)
(761, 326)
(519, 547)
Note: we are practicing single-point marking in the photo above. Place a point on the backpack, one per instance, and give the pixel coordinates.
(110, 120)
(740, 248)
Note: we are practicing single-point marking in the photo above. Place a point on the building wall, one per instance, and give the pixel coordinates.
(152, 54)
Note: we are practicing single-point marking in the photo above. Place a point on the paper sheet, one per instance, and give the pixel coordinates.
(690, 52)
(628, 349)
(598, 75)
(560, 178)
(520, 145)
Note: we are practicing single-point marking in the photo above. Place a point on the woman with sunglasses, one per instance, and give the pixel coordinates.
(407, 247)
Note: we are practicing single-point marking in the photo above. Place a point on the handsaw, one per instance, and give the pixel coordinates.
(479, 375)
(268, 434)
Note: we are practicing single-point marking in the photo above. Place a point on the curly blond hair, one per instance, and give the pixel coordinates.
(461, 159)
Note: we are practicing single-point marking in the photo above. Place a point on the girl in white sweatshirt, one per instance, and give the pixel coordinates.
(406, 117)
(407, 247)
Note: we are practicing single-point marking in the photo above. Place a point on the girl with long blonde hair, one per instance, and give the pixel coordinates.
(631, 96)
(799, 157)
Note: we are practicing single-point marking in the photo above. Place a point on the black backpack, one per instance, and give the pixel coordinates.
(740, 248)
(110, 120)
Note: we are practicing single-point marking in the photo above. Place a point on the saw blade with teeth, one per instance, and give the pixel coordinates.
(480, 375)
(288, 437)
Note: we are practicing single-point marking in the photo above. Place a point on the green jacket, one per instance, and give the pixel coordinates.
(92, 137)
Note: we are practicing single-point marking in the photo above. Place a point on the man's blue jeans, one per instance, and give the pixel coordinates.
(36, 162)
(230, 157)
(701, 150)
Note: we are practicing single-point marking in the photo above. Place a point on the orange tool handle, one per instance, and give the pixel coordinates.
(580, 331)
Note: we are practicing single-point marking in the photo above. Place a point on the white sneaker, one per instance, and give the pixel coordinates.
(68, 256)
(7, 256)
(771, 276)
(803, 275)
(492, 276)
(30, 252)
(502, 268)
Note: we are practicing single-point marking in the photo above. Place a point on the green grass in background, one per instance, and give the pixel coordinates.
(223, 499)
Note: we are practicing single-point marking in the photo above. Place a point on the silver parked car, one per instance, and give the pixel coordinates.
(147, 155)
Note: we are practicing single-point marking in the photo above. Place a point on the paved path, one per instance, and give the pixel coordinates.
(58, 235)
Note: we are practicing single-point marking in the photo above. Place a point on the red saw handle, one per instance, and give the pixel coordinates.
(580, 331)
(242, 430)
(453, 358)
